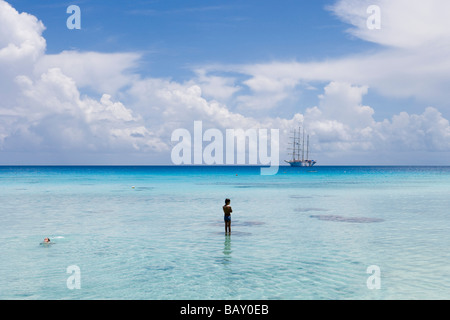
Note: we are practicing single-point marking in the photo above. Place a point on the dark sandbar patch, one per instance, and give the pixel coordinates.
(310, 209)
(346, 219)
(249, 223)
(160, 268)
(300, 197)
(143, 188)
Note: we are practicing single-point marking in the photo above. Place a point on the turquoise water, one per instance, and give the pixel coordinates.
(158, 232)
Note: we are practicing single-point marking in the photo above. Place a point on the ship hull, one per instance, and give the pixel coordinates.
(305, 163)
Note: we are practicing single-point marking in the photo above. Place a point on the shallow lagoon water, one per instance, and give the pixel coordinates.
(157, 232)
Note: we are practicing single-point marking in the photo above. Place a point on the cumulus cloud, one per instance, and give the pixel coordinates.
(355, 132)
(53, 110)
(20, 36)
(21, 45)
(428, 131)
(220, 88)
(169, 105)
(42, 109)
(343, 102)
(101, 72)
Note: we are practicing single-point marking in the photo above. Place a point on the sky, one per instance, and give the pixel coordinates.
(114, 91)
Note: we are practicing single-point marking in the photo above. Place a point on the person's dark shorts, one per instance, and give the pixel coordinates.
(227, 218)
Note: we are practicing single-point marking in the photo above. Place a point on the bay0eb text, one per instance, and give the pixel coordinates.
(228, 309)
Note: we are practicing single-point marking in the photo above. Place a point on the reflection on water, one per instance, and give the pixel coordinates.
(227, 249)
(240, 223)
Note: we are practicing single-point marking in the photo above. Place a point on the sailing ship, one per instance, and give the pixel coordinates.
(298, 150)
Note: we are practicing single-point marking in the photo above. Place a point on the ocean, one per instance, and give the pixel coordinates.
(157, 233)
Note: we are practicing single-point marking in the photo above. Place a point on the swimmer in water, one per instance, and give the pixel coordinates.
(46, 241)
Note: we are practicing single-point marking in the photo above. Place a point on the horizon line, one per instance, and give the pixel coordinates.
(219, 165)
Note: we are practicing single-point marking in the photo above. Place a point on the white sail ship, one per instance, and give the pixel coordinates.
(298, 150)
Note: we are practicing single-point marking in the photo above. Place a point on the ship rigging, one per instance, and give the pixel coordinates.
(298, 150)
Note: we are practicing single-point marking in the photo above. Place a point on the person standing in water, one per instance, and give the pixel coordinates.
(227, 215)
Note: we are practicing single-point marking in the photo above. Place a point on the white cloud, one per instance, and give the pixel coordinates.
(215, 87)
(170, 105)
(20, 36)
(42, 109)
(404, 23)
(101, 72)
(346, 125)
(21, 45)
(343, 102)
(426, 132)
(411, 61)
(422, 73)
(53, 110)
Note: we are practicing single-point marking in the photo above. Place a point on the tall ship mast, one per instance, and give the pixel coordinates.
(298, 150)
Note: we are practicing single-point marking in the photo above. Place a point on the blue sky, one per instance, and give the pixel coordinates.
(136, 66)
(178, 34)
